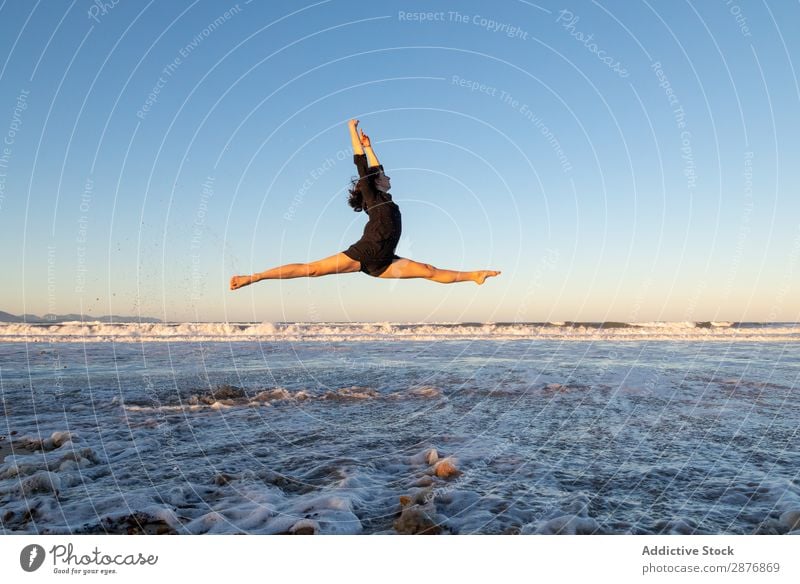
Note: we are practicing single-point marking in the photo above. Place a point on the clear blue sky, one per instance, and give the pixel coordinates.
(623, 161)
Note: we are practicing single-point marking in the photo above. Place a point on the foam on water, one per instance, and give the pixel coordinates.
(338, 332)
(400, 437)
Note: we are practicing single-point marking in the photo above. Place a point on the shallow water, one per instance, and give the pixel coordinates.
(546, 436)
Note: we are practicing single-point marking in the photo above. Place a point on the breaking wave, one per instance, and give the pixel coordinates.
(335, 331)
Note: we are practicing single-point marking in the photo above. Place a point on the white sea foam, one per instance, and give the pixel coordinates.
(374, 437)
(338, 332)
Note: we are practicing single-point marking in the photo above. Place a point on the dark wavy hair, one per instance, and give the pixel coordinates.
(356, 199)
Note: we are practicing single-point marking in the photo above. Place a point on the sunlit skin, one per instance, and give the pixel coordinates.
(342, 264)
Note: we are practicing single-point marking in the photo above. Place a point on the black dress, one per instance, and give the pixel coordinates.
(375, 249)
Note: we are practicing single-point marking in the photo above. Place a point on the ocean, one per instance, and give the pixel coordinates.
(384, 428)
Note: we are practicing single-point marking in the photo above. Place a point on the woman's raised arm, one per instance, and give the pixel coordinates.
(356, 141)
(372, 159)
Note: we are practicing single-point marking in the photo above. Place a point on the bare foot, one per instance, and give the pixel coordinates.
(239, 281)
(481, 276)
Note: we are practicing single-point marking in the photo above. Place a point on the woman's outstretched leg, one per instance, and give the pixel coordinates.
(335, 264)
(405, 268)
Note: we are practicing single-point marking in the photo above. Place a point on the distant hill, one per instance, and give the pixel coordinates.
(7, 317)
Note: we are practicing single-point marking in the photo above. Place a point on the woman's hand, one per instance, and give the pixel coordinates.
(365, 140)
(353, 123)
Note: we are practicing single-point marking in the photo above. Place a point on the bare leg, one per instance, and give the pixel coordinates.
(405, 268)
(335, 264)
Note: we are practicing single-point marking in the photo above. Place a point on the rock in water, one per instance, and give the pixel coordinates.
(227, 392)
(432, 456)
(305, 527)
(446, 468)
(791, 519)
(41, 482)
(416, 519)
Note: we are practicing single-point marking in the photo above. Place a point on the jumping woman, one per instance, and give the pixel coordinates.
(373, 254)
